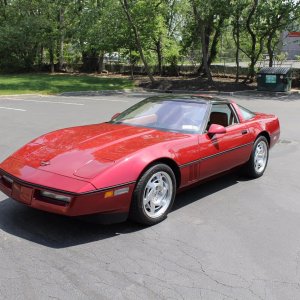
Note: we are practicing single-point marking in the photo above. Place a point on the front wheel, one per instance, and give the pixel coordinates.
(154, 195)
(258, 161)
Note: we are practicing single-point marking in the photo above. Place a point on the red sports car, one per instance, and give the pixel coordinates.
(133, 165)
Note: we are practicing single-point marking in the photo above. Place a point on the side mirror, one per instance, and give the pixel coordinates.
(114, 116)
(216, 129)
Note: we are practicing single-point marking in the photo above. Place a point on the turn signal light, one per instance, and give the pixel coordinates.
(116, 192)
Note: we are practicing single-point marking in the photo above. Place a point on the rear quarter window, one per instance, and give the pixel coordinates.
(246, 113)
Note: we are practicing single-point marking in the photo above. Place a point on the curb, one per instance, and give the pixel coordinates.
(247, 93)
(159, 91)
(189, 92)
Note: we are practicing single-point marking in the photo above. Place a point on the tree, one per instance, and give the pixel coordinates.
(158, 32)
(258, 24)
(166, 31)
(238, 8)
(210, 18)
(21, 30)
(279, 15)
(201, 14)
(137, 37)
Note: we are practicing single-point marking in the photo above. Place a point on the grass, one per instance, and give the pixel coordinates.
(58, 83)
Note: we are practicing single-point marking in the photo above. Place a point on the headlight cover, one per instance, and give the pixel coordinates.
(55, 196)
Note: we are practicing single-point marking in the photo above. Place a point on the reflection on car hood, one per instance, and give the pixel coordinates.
(87, 150)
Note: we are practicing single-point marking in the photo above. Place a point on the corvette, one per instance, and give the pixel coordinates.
(133, 165)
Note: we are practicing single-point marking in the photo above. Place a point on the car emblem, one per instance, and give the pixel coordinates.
(45, 163)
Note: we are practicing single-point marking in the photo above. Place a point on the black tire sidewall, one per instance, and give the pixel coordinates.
(137, 212)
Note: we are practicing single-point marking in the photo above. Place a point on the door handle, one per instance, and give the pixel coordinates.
(245, 131)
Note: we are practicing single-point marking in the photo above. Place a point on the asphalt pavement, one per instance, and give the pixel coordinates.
(230, 238)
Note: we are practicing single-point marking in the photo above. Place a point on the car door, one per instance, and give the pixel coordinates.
(221, 152)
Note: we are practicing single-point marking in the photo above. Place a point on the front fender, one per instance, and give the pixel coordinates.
(131, 167)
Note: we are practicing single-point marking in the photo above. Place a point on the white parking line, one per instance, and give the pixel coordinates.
(43, 101)
(10, 108)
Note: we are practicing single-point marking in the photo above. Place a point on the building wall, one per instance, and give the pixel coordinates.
(291, 44)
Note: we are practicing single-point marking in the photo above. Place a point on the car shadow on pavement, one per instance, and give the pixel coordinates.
(57, 231)
(206, 188)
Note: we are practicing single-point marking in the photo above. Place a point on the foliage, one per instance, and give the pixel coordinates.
(41, 34)
(260, 24)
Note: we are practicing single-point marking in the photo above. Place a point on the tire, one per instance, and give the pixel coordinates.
(154, 195)
(258, 161)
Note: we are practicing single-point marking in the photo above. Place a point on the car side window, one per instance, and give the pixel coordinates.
(222, 114)
(246, 113)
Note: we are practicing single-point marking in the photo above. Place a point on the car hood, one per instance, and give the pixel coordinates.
(85, 151)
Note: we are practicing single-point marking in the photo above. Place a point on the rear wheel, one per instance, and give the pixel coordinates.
(258, 161)
(154, 195)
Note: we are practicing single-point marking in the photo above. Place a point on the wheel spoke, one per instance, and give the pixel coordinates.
(164, 192)
(151, 185)
(152, 207)
(148, 197)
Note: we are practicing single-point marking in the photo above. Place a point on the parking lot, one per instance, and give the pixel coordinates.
(230, 238)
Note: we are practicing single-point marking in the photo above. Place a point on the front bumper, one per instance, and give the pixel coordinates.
(81, 204)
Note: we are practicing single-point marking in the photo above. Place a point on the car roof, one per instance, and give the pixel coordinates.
(205, 99)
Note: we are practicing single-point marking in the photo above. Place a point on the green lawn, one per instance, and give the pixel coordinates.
(55, 84)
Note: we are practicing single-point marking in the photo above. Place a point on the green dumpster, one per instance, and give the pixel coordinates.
(274, 79)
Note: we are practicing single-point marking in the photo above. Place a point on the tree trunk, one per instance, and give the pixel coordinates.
(101, 62)
(132, 71)
(207, 30)
(270, 49)
(158, 49)
(137, 38)
(237, 61)
(205, 54)
(132, 63)
(237, 50)
(51, 54)
(61, 40)
(41, 55)
(253, 60)
(215, 41)
(251, 71)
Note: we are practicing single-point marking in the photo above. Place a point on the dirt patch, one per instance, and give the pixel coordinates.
(223, 84)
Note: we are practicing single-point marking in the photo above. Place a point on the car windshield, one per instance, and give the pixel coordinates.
(166, 114)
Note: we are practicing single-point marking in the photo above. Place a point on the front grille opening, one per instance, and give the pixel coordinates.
(38, 196)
